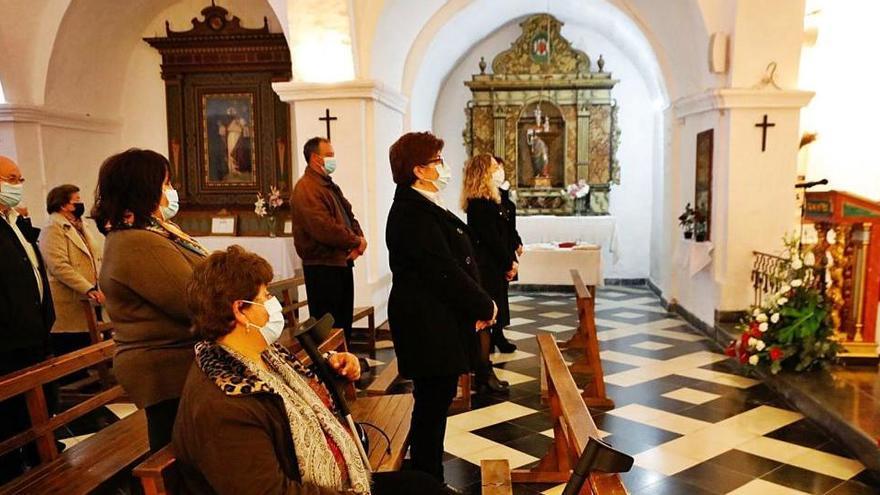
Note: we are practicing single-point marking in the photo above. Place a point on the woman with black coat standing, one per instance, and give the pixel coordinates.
(437, 303)
(488, 220)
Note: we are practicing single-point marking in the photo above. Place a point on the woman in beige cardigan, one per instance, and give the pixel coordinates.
(147, 263)
(72, 259)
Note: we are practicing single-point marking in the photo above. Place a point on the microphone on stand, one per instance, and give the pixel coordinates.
(807, 185)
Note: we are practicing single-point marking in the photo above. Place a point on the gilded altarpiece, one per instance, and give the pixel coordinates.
(550, 116)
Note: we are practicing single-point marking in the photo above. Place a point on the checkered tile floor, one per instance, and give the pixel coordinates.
(694, 424)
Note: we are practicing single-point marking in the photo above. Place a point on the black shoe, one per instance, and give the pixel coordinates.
(505, 346)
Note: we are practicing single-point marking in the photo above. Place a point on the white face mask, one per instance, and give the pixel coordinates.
(10, 194)
(498, 177)
(173, 207)
(443, 178)
(271, 331)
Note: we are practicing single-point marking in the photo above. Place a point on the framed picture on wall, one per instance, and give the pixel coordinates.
(703, 186)
(228, 123)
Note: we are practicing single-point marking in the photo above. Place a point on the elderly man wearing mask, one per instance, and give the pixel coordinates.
(26, 310)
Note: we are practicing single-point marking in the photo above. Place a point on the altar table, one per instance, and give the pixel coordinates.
(598, 230)
(278, 251)
(547, 264)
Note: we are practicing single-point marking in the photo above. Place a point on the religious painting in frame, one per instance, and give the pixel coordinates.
(703, 186)
(228, 124)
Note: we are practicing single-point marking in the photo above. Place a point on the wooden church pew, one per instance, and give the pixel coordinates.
(85, 466)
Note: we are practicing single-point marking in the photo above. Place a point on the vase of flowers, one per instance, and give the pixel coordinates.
(791, 329)
(268, 208)
(686, 221)
(578, 193)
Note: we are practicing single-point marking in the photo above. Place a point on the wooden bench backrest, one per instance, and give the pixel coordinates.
(577, 423)
(580, 426)
(29, 382)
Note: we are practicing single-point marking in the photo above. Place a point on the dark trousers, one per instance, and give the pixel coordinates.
(433, 396)
(330, 289)
(160, 422)
(14, 412)
(405, 483)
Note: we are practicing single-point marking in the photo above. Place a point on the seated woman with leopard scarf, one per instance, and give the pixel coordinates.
(252, 418)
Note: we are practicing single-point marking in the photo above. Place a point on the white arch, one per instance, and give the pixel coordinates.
(91, 51)
(415, 56)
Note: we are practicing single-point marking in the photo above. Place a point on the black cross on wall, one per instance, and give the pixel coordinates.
(763, 125)
(327, 119)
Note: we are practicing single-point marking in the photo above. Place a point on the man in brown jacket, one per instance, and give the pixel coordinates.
(327, 236)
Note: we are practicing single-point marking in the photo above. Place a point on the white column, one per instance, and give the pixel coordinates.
(370, 119)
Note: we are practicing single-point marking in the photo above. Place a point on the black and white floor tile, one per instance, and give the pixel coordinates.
(694, 424)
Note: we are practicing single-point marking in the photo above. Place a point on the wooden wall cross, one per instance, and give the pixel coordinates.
(327, 118)
(764, 125)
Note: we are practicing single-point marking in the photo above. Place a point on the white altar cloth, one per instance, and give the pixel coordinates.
(278, 251)
(546, 264)
(601, 231)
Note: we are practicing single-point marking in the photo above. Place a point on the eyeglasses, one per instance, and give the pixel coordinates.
(439, 160)
(12, 179)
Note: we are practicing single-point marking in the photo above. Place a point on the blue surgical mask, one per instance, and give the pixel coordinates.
(271, 331)
(173, 207)
(443, 177)
(329, 164)
(10, 194)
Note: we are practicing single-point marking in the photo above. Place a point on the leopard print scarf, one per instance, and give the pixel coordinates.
(311, 422)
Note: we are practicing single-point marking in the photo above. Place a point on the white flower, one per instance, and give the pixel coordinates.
(784, 289)
(761, 318)
(797, 264)
(763, 327)
(775, 318)
(810, 259)
(752, 341)
(753, 359)
(797, 282)
(756, 312)
(760, 345)
(782, 301)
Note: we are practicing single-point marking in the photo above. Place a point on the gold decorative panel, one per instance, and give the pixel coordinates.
(540, 91)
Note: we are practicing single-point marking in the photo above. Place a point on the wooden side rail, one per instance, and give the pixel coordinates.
(586, 340)
(572, 428)
(495, 474)
(152, 471)
(386, 379)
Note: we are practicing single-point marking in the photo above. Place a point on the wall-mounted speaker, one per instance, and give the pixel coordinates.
(718, 53)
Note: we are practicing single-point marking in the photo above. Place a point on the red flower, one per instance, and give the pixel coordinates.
(775, 353)
(744, 358)
(754, 326)
(730, 350)
(745, 338)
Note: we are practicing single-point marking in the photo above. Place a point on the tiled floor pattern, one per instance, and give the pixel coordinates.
(694, 425)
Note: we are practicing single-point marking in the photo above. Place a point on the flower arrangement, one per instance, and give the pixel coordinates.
(578, 190)
(267, 207)
(791, 328)
(686, 221)
(577, 193)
